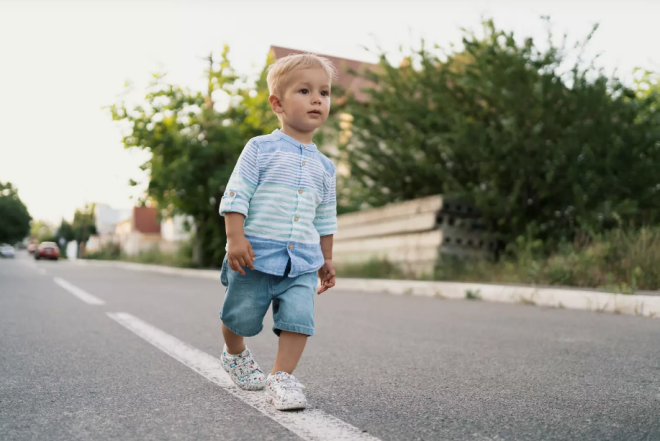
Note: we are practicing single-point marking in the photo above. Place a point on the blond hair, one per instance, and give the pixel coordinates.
(282, 68)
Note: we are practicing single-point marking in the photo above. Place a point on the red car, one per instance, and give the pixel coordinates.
(47, 250)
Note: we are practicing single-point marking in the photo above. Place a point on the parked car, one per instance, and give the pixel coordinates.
(47, 250)
(6, 250)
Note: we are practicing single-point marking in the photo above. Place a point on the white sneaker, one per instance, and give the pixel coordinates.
(243, 370)
(285, 392)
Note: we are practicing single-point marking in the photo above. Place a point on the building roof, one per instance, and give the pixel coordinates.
(145, 220)
(349, 83)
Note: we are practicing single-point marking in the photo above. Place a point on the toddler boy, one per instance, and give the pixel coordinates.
(280, 215)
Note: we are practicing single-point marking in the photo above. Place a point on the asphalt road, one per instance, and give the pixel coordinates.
(396, 368)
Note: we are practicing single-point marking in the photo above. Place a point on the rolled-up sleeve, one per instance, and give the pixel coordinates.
(242, 183)
(325, 220)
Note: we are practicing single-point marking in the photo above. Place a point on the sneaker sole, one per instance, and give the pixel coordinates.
(280, 406)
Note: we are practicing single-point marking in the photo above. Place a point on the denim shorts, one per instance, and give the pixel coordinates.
(248, 297)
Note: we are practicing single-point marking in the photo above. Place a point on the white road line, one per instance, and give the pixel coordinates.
(310, 424)
(82, 295)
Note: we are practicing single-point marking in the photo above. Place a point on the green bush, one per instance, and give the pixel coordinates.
(619, 261)
(108, 252)
(533, 136)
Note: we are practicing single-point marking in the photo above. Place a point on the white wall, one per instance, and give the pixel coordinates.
(107, 218)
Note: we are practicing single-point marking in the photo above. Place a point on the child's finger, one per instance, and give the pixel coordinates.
(327, 283)
(239, 266)
(251, 251)
(234, 265)
(249, 259)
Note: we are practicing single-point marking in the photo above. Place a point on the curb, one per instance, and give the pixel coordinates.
(638, 305)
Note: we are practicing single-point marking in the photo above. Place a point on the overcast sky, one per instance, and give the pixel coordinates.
(62, 61)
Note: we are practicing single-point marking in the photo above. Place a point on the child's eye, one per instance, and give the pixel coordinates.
(304, 91)
(325, 93)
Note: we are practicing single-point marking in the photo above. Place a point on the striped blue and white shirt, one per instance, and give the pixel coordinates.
(286, 191)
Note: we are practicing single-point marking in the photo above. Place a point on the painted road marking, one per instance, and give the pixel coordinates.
(82, 295)
(310, 424)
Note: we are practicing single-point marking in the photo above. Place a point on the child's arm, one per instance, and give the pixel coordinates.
(239, 250)
(327, 271)
(325, 222)
(235, 206)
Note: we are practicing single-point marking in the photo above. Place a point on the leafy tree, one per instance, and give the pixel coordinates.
(253, 112)
(42, 230)
(83, 225)
(66, 231)
(194, 148)
(538, 148)
(14, 216)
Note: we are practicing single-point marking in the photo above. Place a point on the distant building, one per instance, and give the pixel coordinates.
(107, 218)
(139, 233)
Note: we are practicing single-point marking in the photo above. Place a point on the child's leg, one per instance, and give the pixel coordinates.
(289, 352)
(234, 342)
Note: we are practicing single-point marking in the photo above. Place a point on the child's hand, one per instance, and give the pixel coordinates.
(327, 276)
(239, 253)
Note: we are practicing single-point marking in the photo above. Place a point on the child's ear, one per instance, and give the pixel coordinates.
(275, 104)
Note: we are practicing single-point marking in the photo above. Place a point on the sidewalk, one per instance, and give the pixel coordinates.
(639, 305)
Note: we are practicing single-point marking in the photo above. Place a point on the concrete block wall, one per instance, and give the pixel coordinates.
(411, 234)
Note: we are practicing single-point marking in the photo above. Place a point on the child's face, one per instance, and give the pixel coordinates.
(305, 103)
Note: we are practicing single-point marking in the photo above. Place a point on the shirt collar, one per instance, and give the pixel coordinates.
(284, 136)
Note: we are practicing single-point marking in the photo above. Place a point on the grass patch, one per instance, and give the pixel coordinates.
(373, 269)
(618, 262)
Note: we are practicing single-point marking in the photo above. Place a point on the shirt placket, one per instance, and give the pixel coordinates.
(296, 213)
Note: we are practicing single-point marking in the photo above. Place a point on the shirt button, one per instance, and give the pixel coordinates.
(291, 246)
(232, 194)
(296, 218)
(300, 191)
(303, 163)
(304, 146)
